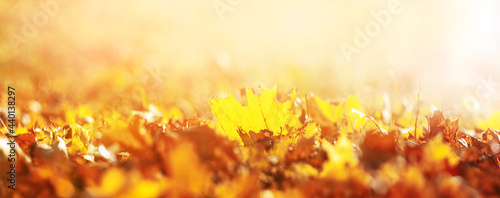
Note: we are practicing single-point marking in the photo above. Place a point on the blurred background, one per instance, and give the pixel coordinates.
(180, 53)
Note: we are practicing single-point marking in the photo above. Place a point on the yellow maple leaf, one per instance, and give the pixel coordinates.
(346, 112)
(437, 152)
(407, 121)
(118, 131)
(112, 182)
(262, 112)
(341, 158)
(80, 112)
(21, 130)
(80, 140)
(188, 174)
(492, 122)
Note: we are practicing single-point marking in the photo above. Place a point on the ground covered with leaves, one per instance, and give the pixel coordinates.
(264, 143)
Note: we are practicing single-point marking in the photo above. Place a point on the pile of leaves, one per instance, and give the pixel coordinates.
(269, 145)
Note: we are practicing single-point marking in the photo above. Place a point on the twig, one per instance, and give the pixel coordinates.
(418, 98)
(6, 129)
(369, 117)
(307, 108)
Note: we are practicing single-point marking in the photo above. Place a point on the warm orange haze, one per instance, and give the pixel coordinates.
(231, 98)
